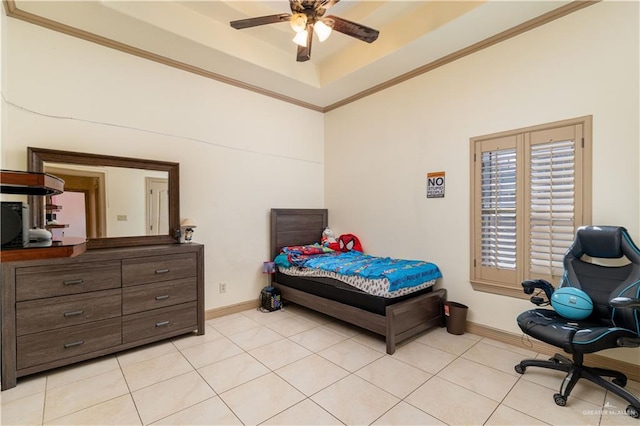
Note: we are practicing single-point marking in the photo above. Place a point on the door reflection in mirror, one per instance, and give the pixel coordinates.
(157, 206)
(115, 201)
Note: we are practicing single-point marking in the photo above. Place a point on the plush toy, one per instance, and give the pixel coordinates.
(328, 236)
(348, 242)
(329, 239)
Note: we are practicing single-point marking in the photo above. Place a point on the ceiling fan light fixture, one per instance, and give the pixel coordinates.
(298, 22)
(301, 38)
(307, 17)
(322, 30)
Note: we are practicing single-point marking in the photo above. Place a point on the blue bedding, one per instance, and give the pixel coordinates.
(399, 272)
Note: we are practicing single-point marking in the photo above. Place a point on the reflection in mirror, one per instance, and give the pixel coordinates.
(103, 201)
(112, 201)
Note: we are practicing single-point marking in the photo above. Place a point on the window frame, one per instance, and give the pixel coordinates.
(507, 282)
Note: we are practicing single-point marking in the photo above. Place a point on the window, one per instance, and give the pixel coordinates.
(530, 191)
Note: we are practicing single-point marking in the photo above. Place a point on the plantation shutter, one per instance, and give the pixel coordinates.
(496, 196)
(551, 201)
(499, 209)
(531, 190)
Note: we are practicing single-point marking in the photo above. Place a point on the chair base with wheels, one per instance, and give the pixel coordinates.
(575, 371)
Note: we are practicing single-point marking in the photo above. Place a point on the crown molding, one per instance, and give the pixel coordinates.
(483, 44)
(12, 11)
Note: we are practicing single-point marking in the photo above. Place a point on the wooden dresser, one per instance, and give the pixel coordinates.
(57, 312)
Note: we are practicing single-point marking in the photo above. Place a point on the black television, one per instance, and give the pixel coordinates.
(14, 224)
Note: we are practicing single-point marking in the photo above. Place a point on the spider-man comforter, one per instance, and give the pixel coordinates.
(399, 272)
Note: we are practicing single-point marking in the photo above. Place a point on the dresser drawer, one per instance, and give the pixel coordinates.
(158, 295)
(152, 269)
(34, 316)
(159, 321)
(40, 348)
(59, 280)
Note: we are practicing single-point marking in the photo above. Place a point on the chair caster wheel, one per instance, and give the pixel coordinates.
(520, 369)
(559, 399)
(633, 411)
(620, 382)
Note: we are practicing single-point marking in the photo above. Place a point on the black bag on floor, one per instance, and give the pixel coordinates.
(270, 299)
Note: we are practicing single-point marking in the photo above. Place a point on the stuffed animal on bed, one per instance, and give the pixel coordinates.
(329, 239)
(348, 242)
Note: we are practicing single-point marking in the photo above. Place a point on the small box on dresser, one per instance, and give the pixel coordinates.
(57, 312)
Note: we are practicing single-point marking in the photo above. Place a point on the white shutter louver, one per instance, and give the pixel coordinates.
(551, 209)
(498, 205)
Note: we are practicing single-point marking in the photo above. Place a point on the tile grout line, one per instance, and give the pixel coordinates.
(44, 399)
(130, 391)
(352, 339)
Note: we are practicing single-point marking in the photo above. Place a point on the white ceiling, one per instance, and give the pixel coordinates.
(196, 35)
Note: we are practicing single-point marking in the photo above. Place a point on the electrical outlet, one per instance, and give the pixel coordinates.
(223, 287)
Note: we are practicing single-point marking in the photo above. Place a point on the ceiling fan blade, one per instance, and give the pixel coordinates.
(326, 4)
(304, 53)
(261, 20)
(352, 29)
(296, 6)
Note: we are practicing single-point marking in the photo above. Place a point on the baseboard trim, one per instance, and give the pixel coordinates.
(231, 309)
(632, 371)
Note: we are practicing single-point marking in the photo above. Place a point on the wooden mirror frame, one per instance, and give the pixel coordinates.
(38, 156)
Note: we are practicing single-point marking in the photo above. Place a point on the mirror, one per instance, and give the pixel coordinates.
(112, 201)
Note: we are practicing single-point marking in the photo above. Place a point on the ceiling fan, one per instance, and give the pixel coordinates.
(306, 17)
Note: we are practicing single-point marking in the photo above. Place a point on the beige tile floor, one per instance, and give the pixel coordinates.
(296, 367)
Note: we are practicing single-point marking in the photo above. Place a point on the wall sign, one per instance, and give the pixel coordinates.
(435, 185)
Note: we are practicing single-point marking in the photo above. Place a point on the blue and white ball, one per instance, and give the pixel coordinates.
(572, 303)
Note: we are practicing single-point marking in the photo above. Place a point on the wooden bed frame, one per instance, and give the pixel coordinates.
(401, 321)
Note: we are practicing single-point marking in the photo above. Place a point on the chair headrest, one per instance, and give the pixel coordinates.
(602, 242)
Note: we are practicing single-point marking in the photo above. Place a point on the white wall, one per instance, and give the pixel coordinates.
(236, 154)
(379, 149)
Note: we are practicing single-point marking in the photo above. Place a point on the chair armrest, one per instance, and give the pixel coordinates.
(624, 302)
(530, 285)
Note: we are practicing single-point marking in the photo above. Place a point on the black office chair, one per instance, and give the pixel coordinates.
(614, 321)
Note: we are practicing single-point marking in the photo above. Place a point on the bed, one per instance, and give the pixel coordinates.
(395, 319)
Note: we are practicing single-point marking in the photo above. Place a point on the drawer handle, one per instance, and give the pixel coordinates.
(72, 344)
(163, 297)
(161, 271)
(73, 313)
(73, 282)
(163, 323)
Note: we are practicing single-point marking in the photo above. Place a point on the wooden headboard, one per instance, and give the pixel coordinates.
(291, 227)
